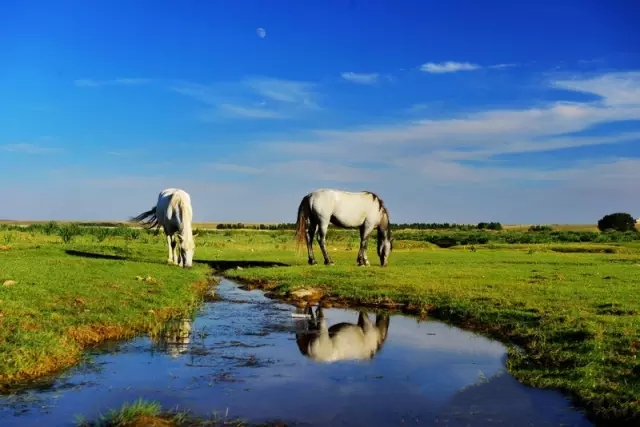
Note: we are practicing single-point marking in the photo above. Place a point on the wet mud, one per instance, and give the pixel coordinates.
(259, 359)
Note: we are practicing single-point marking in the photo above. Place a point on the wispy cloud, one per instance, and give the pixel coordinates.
(27, 148)
(286, 91)
(454, 67)
(361, 78)
(448, 67)
(499, 66)
(113, 82)
(255, 98)
(248, 112)
(439, 149)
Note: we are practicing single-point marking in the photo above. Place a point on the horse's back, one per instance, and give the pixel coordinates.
(167, 202)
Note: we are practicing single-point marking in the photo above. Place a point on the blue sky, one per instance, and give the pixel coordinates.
(457, 111)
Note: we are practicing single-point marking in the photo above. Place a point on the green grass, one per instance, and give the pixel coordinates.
(144, 413)
(572, 307)
(60, 303)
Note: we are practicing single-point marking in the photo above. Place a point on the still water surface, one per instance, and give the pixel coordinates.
(240, 356)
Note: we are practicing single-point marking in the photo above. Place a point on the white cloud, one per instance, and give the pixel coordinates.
(453, 67)
(248, 112)
(432, 169)
(254, 98)
(27, 148)
(616, 89)
(113, 82)
(288, 91)
(361, 78)
(448, 67)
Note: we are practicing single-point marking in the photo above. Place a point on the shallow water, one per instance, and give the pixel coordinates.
(241, 357)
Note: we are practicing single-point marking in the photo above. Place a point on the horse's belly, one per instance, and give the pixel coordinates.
(347, 218)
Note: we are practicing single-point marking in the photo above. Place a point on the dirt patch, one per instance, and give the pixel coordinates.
(304, 296)
(87, 335)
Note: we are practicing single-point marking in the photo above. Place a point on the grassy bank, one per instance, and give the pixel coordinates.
(144, 413)
(571, 306)
(53, 304)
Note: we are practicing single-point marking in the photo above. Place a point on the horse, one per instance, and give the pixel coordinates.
(174, 336)
(342, 341)
(344, 209)
(173, 212)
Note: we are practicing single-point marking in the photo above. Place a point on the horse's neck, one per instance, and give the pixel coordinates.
(184, 221)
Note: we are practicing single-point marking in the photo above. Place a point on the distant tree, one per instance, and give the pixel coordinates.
(619, 221)
(494, 226)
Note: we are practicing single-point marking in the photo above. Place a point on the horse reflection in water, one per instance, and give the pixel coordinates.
(173, 338)
(342, 341)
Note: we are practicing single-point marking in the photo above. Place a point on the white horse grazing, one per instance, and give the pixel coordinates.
(344, 209)
(174, 214)
(342, 341)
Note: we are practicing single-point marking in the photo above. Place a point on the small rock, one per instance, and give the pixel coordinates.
(139, 278)
(4, 247)
(306, 293)
(9, 283)
(239, 268)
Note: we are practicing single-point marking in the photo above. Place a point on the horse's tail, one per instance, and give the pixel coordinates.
(148, 219)
(303, 214)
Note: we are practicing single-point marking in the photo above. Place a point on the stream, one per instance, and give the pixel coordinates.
(240, 357)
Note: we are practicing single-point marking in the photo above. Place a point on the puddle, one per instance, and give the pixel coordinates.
(241, 355)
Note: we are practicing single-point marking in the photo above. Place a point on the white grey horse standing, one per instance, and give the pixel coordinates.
(173, 212)
(344, 209)
(342, 341)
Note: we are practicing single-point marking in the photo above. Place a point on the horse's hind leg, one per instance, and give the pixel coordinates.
(322, 241)
(311, 231)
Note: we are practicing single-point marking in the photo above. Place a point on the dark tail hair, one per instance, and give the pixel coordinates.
(148, 219)
(303, 214)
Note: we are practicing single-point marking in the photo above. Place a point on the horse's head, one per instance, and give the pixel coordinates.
(187, 248)
(384, 248)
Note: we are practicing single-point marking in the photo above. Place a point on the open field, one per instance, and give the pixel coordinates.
(213, 225)
(569, 300)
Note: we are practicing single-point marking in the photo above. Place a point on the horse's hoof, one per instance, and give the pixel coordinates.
(313, 262)
(330, 263)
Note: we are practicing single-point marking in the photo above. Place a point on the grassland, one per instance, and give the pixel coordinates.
(568, 299)
(52, 304)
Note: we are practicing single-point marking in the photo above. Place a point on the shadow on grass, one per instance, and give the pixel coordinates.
(96, 256)
(222, 265)
(218, 265)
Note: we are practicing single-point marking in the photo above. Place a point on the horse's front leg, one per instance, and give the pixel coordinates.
(171, 244)
(365, 231)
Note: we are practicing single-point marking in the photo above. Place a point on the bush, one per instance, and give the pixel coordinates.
(619, 221)
(535, 228)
